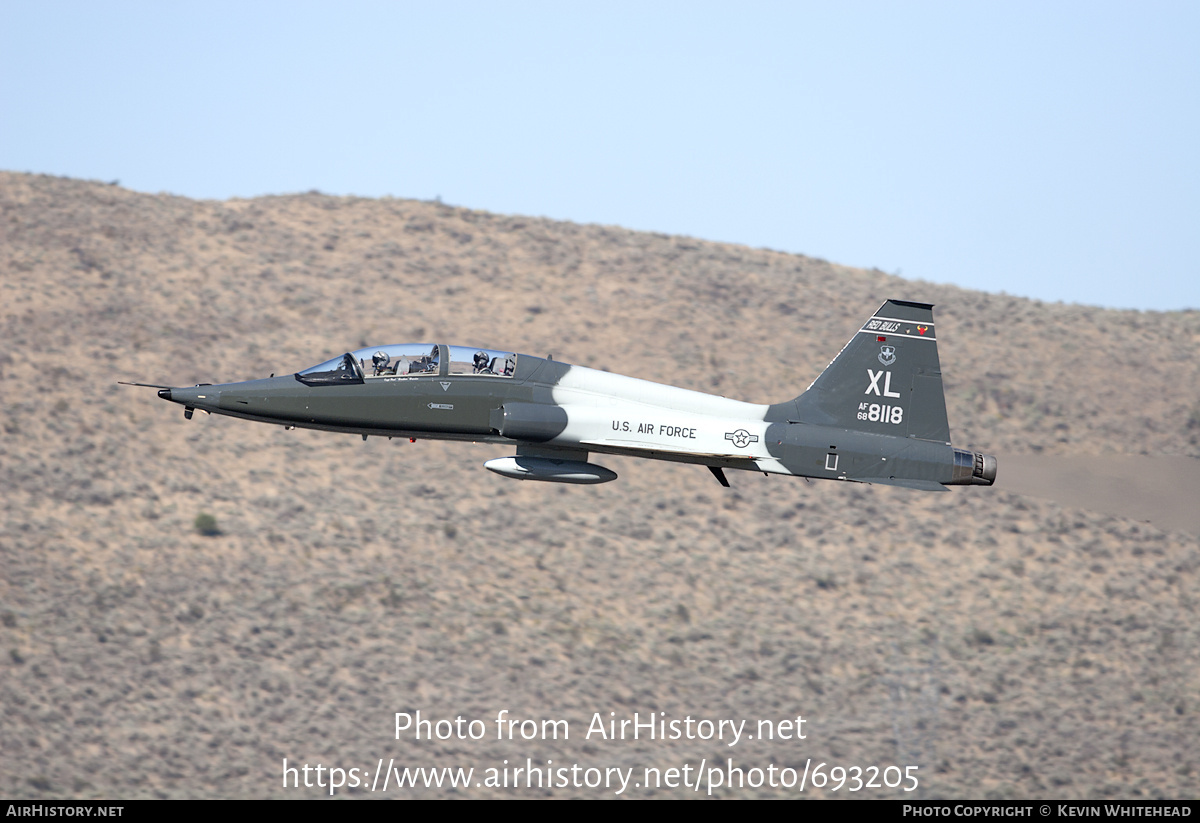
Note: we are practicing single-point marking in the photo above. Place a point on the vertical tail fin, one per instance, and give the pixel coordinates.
(886, 380)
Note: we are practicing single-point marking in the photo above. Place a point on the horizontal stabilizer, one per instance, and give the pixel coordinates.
(904, 483)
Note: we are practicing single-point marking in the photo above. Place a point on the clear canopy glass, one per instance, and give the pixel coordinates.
(403, 360)
(481, 361)
(339, 371)
(408, 360)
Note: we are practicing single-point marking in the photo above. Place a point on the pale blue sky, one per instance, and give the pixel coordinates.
(1046, 149)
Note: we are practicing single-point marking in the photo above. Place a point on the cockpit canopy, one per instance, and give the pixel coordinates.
(408, 360)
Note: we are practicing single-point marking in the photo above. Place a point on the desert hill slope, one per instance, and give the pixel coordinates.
(1006, 645)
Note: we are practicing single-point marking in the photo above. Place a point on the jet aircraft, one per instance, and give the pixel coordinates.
(876, 414)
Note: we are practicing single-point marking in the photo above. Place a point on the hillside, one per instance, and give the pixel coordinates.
(1008, 645)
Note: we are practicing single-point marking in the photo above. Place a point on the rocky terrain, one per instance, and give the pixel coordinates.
(1008, 644)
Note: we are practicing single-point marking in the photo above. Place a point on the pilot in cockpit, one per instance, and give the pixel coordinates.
(380, 361)
(481, 363)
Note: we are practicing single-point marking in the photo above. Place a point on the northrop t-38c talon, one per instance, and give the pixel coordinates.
(877, 414)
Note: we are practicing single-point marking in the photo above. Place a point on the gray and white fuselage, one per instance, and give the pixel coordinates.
(876, 414)
(614, 414)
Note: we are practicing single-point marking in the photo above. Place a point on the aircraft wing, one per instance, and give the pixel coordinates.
(642, 447)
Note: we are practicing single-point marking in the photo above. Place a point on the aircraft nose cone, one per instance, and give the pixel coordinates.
(196, 397)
